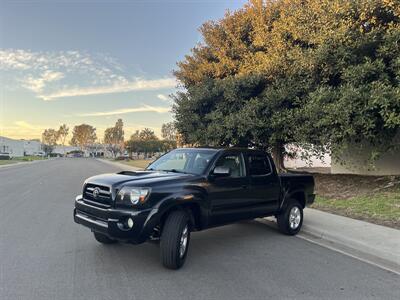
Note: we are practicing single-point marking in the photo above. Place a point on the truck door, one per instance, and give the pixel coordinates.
(264, 182)
(228, 194)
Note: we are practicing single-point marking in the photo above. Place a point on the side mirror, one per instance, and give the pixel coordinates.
(222, 171)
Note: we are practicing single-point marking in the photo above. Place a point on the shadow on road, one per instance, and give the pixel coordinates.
(238, 239)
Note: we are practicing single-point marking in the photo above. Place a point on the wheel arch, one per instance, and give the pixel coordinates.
(298, 195)
(192, 208)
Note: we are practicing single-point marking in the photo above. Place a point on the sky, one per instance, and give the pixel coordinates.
(93, 62)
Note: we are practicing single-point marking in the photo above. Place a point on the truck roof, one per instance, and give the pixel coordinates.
(222, 149)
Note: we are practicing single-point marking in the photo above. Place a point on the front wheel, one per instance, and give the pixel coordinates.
(290, 219)
(175, 239)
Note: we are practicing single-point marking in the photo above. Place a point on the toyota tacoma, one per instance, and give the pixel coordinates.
(188, 190)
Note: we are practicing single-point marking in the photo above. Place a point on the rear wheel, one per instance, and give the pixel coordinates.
(290, 219)
(102, 238)
(175, 240)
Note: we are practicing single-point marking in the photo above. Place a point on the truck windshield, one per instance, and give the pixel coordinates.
(192, 161)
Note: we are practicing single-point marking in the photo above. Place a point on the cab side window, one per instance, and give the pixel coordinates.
(234, 162)
(259, 165)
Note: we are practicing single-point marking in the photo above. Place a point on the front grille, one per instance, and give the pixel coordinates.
(102, 197)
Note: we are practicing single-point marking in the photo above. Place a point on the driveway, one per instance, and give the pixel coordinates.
(45, 255)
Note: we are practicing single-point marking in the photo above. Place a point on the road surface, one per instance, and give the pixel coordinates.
(45, 255)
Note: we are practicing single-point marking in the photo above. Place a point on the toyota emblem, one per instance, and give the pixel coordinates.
(96, 192)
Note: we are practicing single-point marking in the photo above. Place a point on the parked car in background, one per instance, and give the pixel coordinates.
(40, 154)
(75, 154)
(5, 156)
(187, 190)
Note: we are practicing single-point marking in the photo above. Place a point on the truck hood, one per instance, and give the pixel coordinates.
(137, 178)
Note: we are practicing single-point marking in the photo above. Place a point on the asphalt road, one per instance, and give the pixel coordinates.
(45, 255)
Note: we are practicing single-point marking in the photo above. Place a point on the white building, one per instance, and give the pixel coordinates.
(33, 147)
(19, 148)
(355, 160)
(14, 147)
(312, 161)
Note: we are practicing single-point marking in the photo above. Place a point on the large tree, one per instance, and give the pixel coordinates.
(145, 141)
(114, 138)
(49, 140)
(314, 72)
(83, 135)
(62, 135)
(168, 131)
(147, 134)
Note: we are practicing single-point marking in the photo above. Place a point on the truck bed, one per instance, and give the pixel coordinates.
(303, 182)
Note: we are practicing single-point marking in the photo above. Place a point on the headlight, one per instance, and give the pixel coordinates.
(135, 195)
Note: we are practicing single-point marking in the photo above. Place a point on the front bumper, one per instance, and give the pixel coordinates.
(111, 221)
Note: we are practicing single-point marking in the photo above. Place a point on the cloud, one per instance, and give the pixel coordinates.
(119, 87)
(41, 71)
(26, 125)
(162, 97)
(70, 61)
(15, 59)
(18, 59)
(144, 108)
(37, 84)
(21, 129)
(62, 74)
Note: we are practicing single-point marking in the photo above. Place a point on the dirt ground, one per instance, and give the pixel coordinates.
(374, 199)
(346, 186)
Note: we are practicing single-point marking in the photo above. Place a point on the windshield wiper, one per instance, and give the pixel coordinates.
(174, 171)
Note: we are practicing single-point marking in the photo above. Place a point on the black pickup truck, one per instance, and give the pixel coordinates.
(187, 190)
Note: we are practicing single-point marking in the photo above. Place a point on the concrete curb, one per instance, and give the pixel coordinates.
(375, 244)
(119, 165)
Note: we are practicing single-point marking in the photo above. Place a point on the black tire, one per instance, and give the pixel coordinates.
(284, 221)
(103, 239)
(170, 243)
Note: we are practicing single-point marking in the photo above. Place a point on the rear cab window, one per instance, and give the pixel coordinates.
(259, 165)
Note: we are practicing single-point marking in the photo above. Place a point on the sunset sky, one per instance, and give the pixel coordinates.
(87, 62)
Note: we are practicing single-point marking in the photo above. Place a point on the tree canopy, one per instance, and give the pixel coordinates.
(114, 138)
(147, 135)
(168, 131)
(145, 141)
(83, 135)
(307, 72)
(49, 139)
(62, 135)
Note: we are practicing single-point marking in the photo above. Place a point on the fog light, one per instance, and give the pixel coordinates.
(130, 223)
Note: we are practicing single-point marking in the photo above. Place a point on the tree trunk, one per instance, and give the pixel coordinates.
(278, 151)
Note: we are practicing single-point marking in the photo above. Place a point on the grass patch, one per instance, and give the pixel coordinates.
(7, 162)
(20, 159)
(28, 158)
(138, 163)
(381, 207)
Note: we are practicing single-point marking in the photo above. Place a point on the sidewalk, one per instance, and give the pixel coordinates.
(375, 244)
(119, 165)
